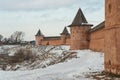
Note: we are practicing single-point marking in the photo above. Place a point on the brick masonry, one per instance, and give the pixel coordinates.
(112, 36)
(106, 39)
(79, 37)
(97, 40)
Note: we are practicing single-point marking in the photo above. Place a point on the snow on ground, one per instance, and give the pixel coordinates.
(39, 56)
(74, 69)
(4, 48)
(11, 49)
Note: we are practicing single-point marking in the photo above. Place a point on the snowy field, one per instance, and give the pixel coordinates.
(86, 62)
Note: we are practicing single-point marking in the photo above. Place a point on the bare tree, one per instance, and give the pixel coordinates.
(16, 37)
(6, 40)
(1, 37)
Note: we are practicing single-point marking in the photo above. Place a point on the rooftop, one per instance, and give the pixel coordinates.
(79, 20)
(65, 31)
(39, 33)
(99, 26)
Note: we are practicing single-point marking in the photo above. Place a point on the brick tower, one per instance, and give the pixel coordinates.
(38, 38)
(64, 35)
(79, 32)
(112, 36)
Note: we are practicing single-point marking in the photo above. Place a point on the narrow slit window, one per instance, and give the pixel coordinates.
(109, 8)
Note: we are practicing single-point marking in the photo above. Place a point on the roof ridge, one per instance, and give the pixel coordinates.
(99, 26)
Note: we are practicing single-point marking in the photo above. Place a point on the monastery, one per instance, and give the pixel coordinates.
(81, 35)
(103, 37)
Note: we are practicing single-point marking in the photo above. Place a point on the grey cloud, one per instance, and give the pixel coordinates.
(90, 6)
(34, 4)
(47, 4)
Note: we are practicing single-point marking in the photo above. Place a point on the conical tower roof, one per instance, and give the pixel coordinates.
(79, 19)
(39, 33)
(65, 31)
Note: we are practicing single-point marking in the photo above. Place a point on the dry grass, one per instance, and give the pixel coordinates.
(102, 76)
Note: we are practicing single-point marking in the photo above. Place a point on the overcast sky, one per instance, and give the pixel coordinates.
(50, 16)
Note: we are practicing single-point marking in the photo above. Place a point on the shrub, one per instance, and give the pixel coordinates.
(22, 55)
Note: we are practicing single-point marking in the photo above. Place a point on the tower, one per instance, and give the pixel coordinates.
(112, 36)
(38, 37)
(79, 32)
(64, 36)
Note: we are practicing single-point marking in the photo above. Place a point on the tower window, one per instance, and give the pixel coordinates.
(109, 8)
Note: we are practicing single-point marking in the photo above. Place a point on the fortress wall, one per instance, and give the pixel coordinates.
(44, 42)
(68, 41)
(55, 42)
(51, 42)
(97, 40)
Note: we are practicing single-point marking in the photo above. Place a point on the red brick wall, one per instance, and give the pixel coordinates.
(112, 36)
(63, 39)
(55, 42)
(68, 41)
(51, 42)
(79, 37)
(97, 40)
(38, 40)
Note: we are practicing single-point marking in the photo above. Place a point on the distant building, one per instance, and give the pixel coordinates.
(64, 39)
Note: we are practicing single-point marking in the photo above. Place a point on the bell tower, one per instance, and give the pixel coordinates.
(112, 36)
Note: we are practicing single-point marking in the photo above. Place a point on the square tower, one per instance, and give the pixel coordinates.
(112, 36)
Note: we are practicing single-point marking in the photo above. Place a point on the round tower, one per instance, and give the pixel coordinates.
(38, 38)
(64, 36)
(79, 32)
